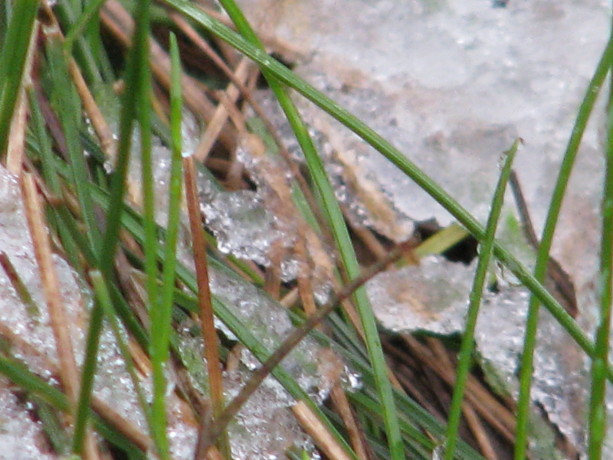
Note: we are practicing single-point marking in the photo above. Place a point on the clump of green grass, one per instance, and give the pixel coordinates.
(113, 241)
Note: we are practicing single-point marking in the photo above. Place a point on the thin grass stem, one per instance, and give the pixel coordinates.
(542, 259)
(205, 310)
(336, 222)
(110, 238)
(597, 420)
(476, 293)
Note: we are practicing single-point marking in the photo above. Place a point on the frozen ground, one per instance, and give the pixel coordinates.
(29, 334)
(265, 427)
(451, 84)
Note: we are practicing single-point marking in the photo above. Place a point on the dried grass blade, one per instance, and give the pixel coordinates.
(204, 293)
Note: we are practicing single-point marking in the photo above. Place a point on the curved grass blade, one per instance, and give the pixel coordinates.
(466, 348)
(336, 222)
(398, 159)
(530, 335)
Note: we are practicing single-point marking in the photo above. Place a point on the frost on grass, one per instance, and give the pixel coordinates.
(30, 324)
(259, 225)
(451, 84)
(27, 332)
(243, 227)
(21, 437)
(434, 297)
(265, 225)
(269, 323)
(265, 427)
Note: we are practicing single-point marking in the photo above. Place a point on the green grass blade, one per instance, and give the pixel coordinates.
(52, 179)
(68, 108)
(77, 28)
(336, 221)
(419, 441)
(530, 336)
(414, 419)
(598, 407)
(84, 31)
(51, 423)
(87, 379)
(161, 313)
(466, 348)
(12, 62)
(21, 375)
(106, 250)
(83, 50)
(159, 334)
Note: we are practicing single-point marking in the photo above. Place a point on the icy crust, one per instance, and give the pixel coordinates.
(434, 297)
(431, 297)
(310, 365)
(32, 341)
(161, 163)
(560, 384)
(265, 427)
(21, 437)
(451, 84)
(264, 225)
(31, 327)
(244, 228)
(365, 203)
